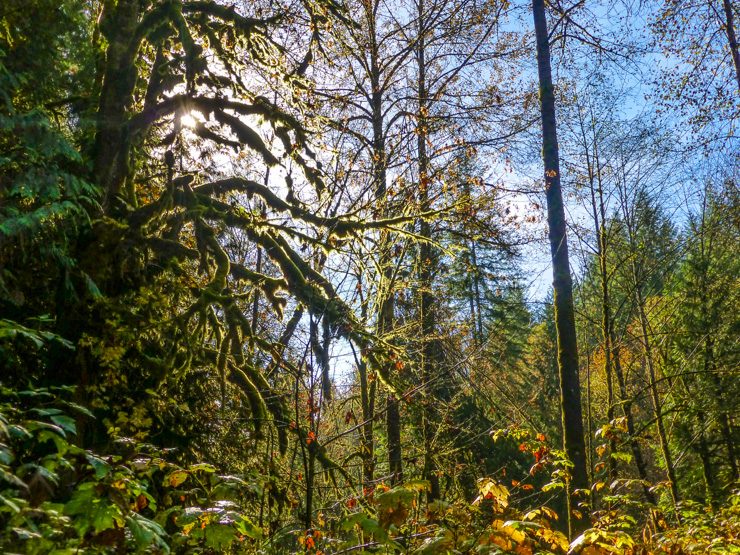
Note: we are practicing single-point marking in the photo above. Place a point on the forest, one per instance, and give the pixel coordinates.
(370, 276)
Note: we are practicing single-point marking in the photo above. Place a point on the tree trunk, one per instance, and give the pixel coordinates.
(570, 388)
(706, 461)
(732, 39)
(640, 463)
(654, 393)
(367, 447)
(111, 163)
(386, 301)
(425, 265)
(599, 218)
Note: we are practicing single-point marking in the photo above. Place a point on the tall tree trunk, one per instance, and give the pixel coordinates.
(386, 298)
(565, 325)
(387, 301)
(732, 39)
(320, 347)
(612, 364)
(598, 214)
(589, 421)
(425, 265)
(476, 290)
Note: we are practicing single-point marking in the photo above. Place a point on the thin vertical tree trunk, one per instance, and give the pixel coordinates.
(386, 302)
(476, 290)
(589, 420)
(653, 386)
(599, 216)
(640, 463)
(367, 398)
(706, 461)
(570, 387)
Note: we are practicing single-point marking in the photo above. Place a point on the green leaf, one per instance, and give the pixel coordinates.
(65, 422)
(35, 425)
(417, 485)
(25, 535)
(6, 455)
(203, 467)
(12, 479)
(78, 408)
(100, 467)
(45, 412)
(146, 533)
(553, 485)
(247, 528)
(220, 536)
(18, 432)
(622, 456)
(8, 503)
(61, 444)
(38, 472)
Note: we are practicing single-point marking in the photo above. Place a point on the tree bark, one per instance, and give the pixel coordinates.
(387, 301)
(570, 387)
(425, 265)
(112, 143)
(732, 39)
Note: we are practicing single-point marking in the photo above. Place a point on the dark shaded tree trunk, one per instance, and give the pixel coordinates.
(112, 141)
(570, 388)
(732, 39)
(425, 264)
(387, 301)
(702, 450)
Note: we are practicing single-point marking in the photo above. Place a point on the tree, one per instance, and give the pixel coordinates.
(570, 389)
(704, 315)
(594, 139)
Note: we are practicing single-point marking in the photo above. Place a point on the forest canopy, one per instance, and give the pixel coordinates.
(363, 276)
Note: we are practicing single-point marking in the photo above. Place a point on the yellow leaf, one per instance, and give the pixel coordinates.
(177, 477)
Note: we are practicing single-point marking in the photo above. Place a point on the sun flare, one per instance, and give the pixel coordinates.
(187, 120)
